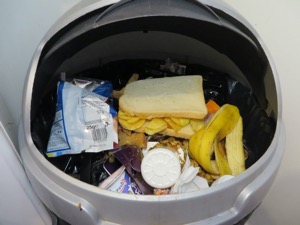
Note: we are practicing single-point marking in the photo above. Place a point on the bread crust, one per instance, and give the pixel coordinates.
(180, 96)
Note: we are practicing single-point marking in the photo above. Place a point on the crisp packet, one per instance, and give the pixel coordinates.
(103, 88)
(83, 122)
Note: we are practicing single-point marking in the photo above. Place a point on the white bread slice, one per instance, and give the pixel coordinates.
(180, 96)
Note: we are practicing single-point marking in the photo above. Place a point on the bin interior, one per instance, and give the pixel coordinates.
(228, 56)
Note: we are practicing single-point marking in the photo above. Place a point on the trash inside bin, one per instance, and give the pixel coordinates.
(99, 147)
(216, 88)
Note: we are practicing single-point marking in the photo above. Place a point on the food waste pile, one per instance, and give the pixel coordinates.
(168, 132)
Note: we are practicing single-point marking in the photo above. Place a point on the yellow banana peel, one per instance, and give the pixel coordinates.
(235, 150)
(221, 159)
(201, 146)
(215, 167)
(194, 143)
(230, 124)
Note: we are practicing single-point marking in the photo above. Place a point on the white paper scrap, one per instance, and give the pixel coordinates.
(188, 180)
(222, 179)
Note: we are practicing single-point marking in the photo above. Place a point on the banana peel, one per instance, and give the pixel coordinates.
(235, 149)
(229, 125)
(201, 143)
(194, 143)
(221, 159)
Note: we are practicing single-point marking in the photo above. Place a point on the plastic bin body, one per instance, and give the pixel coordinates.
(80, 203)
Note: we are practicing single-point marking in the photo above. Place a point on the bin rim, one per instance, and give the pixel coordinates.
(82, 9)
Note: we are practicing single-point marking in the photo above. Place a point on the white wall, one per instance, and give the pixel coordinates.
(278, 23)
(22, 26)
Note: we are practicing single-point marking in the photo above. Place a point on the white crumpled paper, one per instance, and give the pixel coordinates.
(188, 180)
(222, 179)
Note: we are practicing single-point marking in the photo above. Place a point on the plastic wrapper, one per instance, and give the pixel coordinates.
(87, 167)
(121, 182)
(83, 122)
(100, 87)
(173, 67)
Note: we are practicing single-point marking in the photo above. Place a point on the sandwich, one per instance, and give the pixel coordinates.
(173, 106)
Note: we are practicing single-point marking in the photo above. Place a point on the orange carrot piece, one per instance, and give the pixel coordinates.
(212, 106)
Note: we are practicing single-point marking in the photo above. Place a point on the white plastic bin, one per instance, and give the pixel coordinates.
(208, 33)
